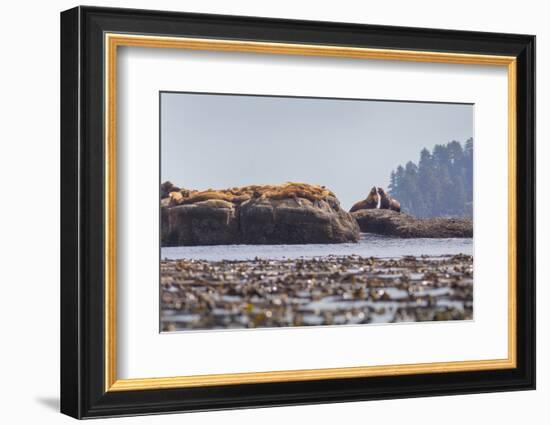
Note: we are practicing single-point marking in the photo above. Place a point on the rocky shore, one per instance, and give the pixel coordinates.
(290, 213)
(329, 290)
(391, 223)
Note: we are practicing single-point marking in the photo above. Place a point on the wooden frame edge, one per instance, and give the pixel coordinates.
(114, 40)
(307, 375)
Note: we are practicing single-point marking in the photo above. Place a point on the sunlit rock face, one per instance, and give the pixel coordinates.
(290, 213)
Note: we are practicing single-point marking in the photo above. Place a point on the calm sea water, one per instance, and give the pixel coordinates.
(369, 246)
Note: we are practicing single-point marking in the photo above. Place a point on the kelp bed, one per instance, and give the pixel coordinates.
(331, 290)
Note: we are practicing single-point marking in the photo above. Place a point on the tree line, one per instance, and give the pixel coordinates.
(441, 185)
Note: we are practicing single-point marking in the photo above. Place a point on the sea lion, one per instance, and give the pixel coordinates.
(379, 199)
(387, 202)
(166, 188)
(369, 203)
(395, 205)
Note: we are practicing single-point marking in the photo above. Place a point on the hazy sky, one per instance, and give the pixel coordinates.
(221, 141)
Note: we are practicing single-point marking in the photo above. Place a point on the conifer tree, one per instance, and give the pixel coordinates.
(441, 183)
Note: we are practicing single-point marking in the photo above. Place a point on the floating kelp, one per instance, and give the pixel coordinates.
(331, 290)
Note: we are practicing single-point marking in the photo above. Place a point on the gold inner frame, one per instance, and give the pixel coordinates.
(113, 41)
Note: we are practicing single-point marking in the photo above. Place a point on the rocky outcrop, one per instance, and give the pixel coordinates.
(391, 223)
(291, 213)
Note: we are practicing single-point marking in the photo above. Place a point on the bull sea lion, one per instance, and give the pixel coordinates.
(371, 202)
(387, 202)
(377, 198)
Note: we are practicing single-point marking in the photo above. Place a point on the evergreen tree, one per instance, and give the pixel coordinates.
(441, 183)
(393, 184)
(426, 178)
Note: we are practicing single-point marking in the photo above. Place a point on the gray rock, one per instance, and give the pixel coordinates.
(211, 222)
(391, 223)
(296, 221)
(257, 220)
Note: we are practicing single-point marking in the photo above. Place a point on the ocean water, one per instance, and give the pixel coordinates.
(369, 245)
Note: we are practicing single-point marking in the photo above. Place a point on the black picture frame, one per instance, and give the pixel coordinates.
(83, 392)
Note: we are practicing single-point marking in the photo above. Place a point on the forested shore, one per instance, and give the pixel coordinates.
(439, 185)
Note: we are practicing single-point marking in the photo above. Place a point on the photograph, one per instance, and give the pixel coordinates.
(284, 210)
(280, 211)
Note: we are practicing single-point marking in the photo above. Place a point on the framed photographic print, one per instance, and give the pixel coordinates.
(261, 212)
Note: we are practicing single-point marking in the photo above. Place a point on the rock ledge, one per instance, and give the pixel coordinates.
(391, 223)
(290, 213)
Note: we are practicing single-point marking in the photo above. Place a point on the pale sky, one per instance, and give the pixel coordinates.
(221, 141)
